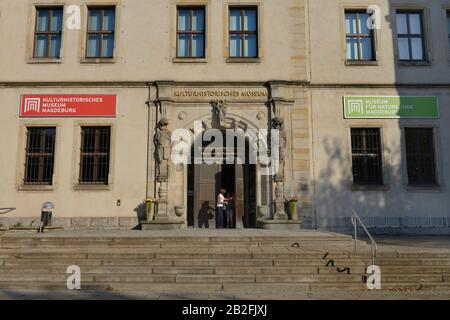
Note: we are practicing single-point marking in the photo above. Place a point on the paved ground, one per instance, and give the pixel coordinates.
(415, 242)
(104, 295)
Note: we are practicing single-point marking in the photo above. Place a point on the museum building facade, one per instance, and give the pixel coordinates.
(93, 92)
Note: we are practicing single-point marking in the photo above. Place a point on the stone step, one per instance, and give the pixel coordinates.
(213, 254)
(208, 260)
(152, 244)
(415, 270)
(413, 262)
(85, 262)
(317, 287)
(14, 277)
(268, 278)
(387, 273)
(190, 278)
(321, 262)
(435, 286)
(171, 270)
(400, 255)
(226, 288)
(166, 255)
(181, 262)
(123, 287)
(414, 278)
(311, 238)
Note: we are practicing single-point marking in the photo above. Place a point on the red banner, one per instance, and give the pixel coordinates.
(63, 105)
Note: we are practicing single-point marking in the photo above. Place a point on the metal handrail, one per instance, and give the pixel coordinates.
(373, 245)
(6, 210)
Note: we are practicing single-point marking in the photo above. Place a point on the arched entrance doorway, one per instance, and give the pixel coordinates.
(205, 181)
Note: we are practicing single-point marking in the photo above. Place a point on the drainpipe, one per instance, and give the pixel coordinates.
(308, 30)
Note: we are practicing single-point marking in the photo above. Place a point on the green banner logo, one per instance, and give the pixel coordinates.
(391, 107)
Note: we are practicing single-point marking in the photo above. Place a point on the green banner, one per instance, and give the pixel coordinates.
(391, 107)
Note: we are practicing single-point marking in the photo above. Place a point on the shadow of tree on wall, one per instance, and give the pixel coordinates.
(336, 197)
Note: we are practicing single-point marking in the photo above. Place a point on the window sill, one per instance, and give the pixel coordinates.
(91, 187)
(189, 60)
(352, 63)
(357, 187)
(424, 188)
(414, 63)
(36, 187)
(97, 60)
(43, 60)
(243, 60)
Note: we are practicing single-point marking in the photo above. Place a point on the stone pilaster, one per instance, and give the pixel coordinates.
(163, 219)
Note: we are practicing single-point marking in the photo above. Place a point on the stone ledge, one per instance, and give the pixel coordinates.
(74, 222)
(162, 225)
(279, 224)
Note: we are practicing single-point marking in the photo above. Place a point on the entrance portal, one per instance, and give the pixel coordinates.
(204, 183)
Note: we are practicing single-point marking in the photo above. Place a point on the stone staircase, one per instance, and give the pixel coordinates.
(185, 262)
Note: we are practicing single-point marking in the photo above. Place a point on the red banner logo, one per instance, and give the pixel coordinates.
(68, 106)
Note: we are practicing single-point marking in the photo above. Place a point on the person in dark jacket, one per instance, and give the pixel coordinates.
(231, 210)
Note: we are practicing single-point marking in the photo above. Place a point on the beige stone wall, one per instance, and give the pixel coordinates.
(128, 159)
(327, 44)
(145, 42)
(334, 194)
(299, 178)
(144, 53)
(396, 208)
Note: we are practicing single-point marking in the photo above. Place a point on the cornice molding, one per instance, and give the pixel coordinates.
(200, 84)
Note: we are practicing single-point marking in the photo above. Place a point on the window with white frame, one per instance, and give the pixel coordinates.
(359, 37)
(410, 35)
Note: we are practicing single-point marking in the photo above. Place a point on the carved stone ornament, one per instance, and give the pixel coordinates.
(220, 111)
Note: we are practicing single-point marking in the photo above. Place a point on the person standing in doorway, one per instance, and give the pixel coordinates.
(231, 210)
(221, 201)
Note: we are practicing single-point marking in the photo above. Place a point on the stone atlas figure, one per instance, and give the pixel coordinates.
(278, 124)
(163, 149)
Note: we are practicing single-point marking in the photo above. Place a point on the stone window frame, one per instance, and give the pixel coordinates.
(22, 144)
(370, 124)
(76, 186)
(259, 5)
(427, 34)
(375, 38)
(84, 31)
(439, 167)
(446, 13)
(206, 4)
(30, 41)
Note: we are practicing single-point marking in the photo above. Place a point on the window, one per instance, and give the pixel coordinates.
(40, 154)
(95, 150)
(243, 32)
(359, 38)
(191, 32)
(448, 27)
(410, 36)
(100, 34)
(366, 156)
(420, 156)
(48, 31)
